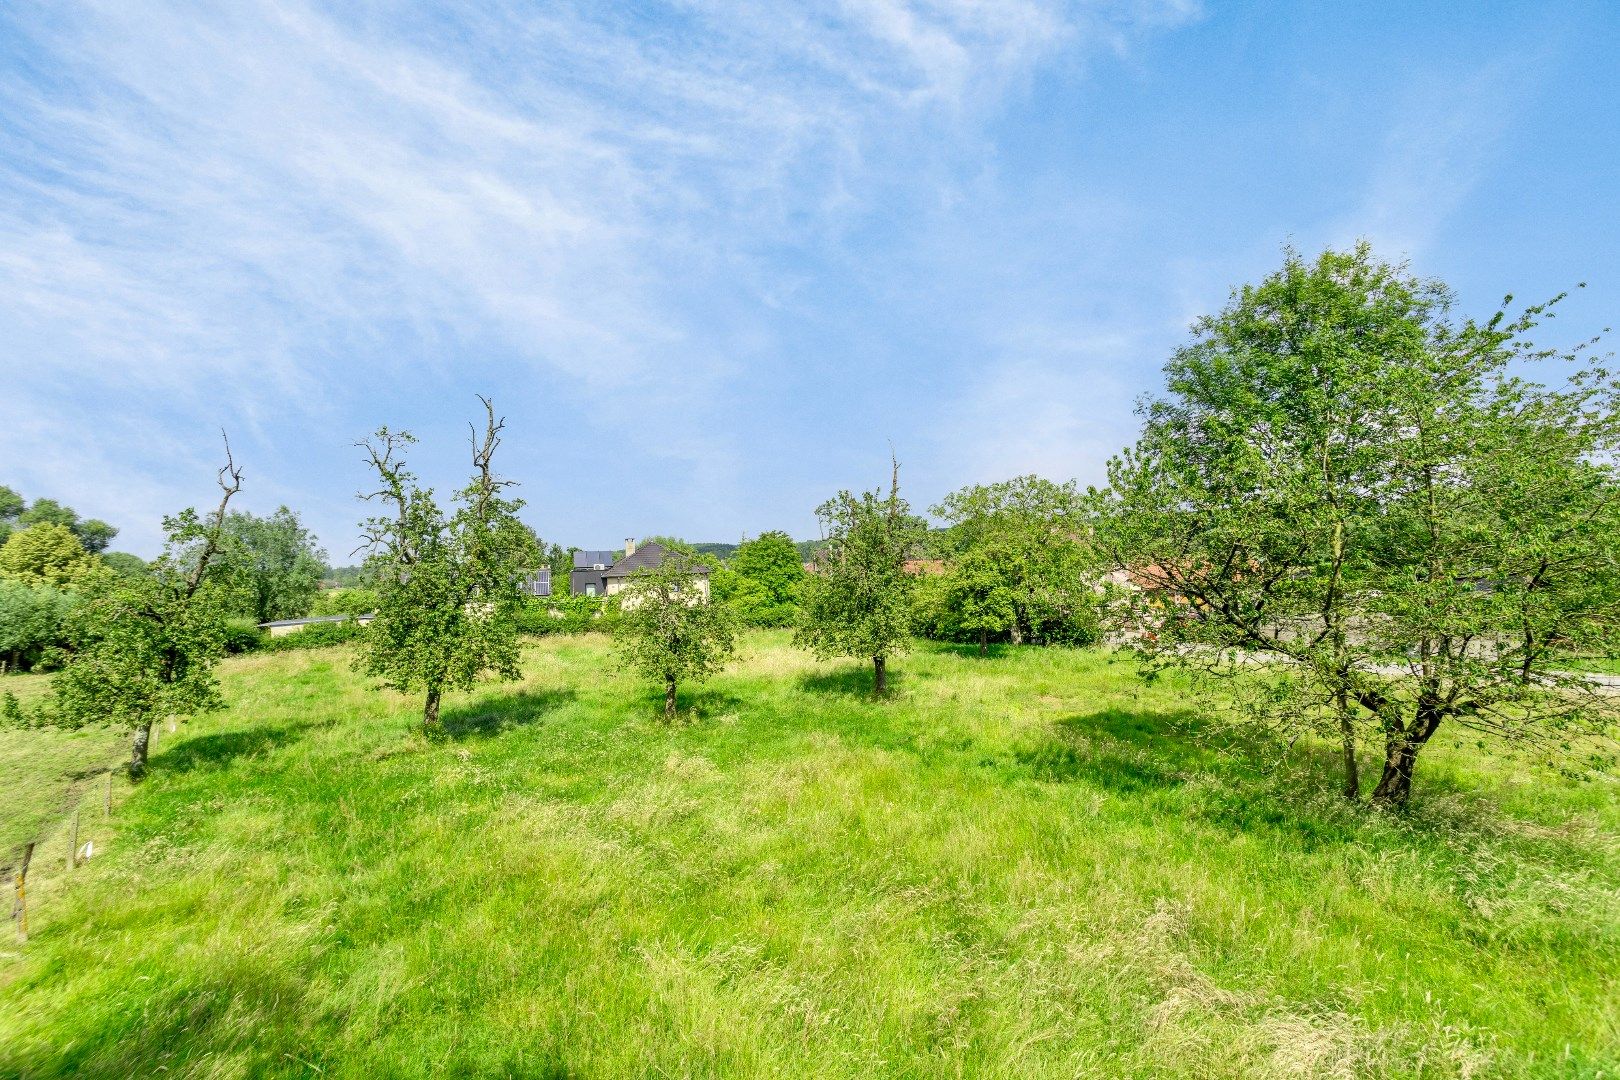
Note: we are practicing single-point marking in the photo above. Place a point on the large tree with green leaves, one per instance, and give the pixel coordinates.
(1361, 515)
(275, 564)
(93, 533)
(979, 595)
(46, 554)
(669, 629)
(143, 647)
(1021, 560)
(857, 602)
(448, 586)
(762, 579)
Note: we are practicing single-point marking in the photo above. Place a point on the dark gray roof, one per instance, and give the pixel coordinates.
(584, 560)
(647, 556)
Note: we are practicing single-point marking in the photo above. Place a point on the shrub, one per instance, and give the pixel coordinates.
(31, 624)
(565, 615)
(244, 636)
(315, 636)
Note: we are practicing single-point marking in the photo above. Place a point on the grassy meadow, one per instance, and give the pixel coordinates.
(1024, 865)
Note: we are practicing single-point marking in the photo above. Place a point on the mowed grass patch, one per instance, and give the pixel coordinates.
(1023, 865)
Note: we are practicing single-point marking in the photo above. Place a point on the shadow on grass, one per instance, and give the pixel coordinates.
(850, 681)
(220, 749)
(1239, 782)
(489, 718)
(706, 701)
(200, 1013)
(1120, 751)
(970, 650)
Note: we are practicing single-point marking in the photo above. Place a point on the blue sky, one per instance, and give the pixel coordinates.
(712, 258)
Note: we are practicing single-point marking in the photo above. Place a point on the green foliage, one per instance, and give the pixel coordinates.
(31, 622)
(448, 588)
(346, 576)
(45, 554)
(141, 648)
(979, 593)
(1021, 562)
(761, 581)
(273, 564)
(858, 600)
(565, 614)
(243, 636)
(352, 600)
(1344, 480)
(123, 563)
(316, 636)
(48, 512)
(11, 505)
(668, 629)
(93, 534)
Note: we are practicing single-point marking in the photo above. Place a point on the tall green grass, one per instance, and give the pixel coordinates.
(1024, 865)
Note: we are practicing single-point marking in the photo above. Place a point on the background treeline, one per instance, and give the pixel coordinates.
(268, 568)
(46, 552)
(1006, 567)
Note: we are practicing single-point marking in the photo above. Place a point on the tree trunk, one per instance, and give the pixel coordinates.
(1401, 751)
(880, 675)
(1395, 785)
(669, 701)
(984, 639)
(430, 710)
(1347, 733)
(137, 751)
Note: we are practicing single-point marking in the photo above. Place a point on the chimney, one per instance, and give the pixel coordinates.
(629, 546)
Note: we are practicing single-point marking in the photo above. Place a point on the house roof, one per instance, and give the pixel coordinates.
(585, 560)
(315, 619)
(646, 557)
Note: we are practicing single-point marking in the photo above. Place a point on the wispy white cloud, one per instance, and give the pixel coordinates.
(1449, 129)
(234, 213)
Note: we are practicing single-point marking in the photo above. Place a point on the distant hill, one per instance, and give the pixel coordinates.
(726, 551)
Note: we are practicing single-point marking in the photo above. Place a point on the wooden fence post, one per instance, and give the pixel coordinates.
(19, 909)
(73, 843)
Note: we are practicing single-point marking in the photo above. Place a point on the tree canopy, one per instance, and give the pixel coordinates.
(1343, 479)
(857, 602)
(142, 647)
(762, 580)
(448, 588)
(45, 553)
(17, 513)
(273, 564)
(1020, 561)
(668, 629)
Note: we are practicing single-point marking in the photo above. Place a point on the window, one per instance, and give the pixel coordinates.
(590, 589)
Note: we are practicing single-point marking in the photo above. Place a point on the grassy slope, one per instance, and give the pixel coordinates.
(1023, 866)
(44, 774)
